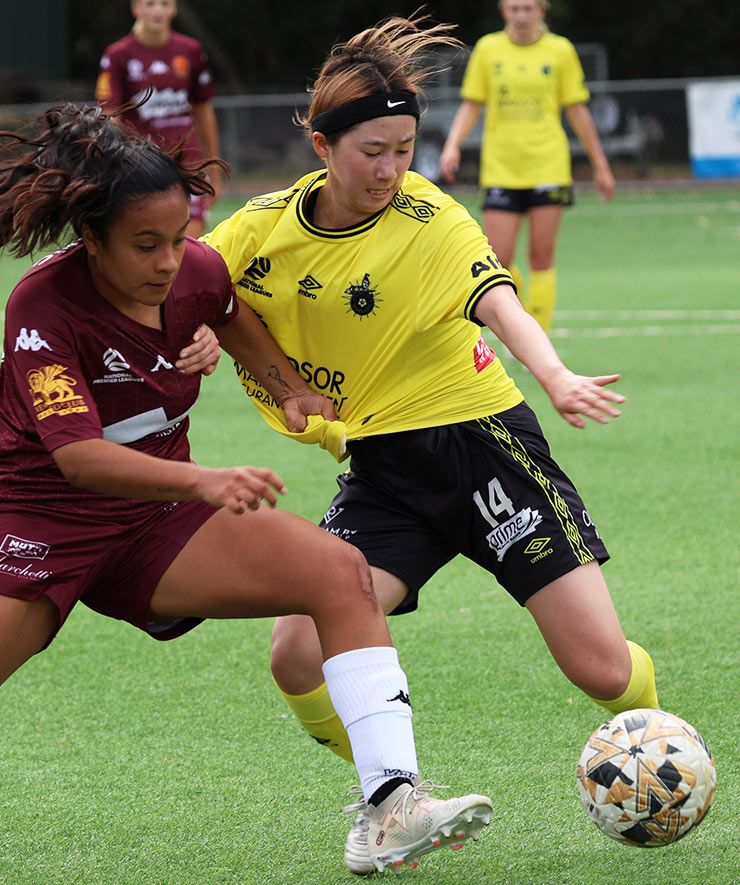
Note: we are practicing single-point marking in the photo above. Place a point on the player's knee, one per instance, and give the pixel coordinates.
(605, 680)
(351, 574)
(295, 654)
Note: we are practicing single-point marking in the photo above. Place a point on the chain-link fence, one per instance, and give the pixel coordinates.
(642, 123)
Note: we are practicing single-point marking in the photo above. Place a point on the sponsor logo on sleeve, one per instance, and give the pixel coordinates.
(482, 355)
(53, 392)
(30, 341)
(486, 266)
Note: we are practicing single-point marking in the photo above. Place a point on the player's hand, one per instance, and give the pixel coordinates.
(449, 163)
(575, 396)
(239, 488)
(202, 355)
(299, 406)
(604, 181)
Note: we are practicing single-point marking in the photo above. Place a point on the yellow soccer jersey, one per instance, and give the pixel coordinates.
(524, 89)
(377, 317)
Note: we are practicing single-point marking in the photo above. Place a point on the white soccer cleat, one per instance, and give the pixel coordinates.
(356, 855)
(410, 823)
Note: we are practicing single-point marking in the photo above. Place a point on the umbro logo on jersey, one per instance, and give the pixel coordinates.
(114, 360)
(308, 287)
(402, 696)
(30, 341)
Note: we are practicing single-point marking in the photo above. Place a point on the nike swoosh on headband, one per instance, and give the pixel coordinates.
(394, 104)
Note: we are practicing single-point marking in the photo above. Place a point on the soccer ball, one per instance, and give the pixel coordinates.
(646, 777)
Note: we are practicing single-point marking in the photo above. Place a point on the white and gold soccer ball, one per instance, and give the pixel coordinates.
(646, 777)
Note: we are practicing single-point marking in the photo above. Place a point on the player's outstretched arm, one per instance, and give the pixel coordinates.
(112, 469)
(574, 396)
(251, 345)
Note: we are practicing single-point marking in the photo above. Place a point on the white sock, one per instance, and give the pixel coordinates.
(370, 693)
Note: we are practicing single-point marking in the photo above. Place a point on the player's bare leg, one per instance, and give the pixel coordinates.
(502, 231)
(267, 563)
(317, 574)
(296, 651)
(544, 223)
(25, 628)
(577, 619)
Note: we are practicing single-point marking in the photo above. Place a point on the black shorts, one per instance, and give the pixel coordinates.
(486, 488)
(506, 199)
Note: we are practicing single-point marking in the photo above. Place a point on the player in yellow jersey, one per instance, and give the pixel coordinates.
(524, 76)
(376, 284)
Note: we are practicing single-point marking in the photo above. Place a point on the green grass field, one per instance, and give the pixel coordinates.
(132, 762)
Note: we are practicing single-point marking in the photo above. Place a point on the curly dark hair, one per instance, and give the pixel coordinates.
(83, 168)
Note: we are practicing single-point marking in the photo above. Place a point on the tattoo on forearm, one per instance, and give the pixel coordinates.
(275, 373)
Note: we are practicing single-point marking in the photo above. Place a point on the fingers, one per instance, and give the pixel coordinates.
(260, 486)
(201, 355)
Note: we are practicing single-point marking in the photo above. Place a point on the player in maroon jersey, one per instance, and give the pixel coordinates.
(174, 69)
(100, 502)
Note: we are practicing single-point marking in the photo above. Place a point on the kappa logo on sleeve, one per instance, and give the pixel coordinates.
(53, 392)
(30, 341)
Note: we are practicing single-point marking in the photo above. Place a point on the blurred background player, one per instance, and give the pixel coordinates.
(524, 76)
(174, 67)
(378, 284)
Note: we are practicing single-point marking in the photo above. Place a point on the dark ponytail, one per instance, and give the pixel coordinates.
(82, 169)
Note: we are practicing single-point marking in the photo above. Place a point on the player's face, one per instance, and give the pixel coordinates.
(365, 167)
(154, 16)
(523, 17)
(136, 266)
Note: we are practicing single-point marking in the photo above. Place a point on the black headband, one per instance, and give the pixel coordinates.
(386, 104)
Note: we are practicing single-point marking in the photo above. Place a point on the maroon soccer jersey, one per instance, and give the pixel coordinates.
(76, 368)
(179, 77)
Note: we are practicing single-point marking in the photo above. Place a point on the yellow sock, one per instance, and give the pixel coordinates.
(521, 292)
(641, 691)
(316, 714)
(542, 294)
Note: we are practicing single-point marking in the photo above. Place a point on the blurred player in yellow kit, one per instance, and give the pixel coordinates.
(524, 76)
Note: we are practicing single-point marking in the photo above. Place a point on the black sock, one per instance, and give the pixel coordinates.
(388, 787)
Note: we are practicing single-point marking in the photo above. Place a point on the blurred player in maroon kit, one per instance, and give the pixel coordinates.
(99, 500)
(174, 67)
